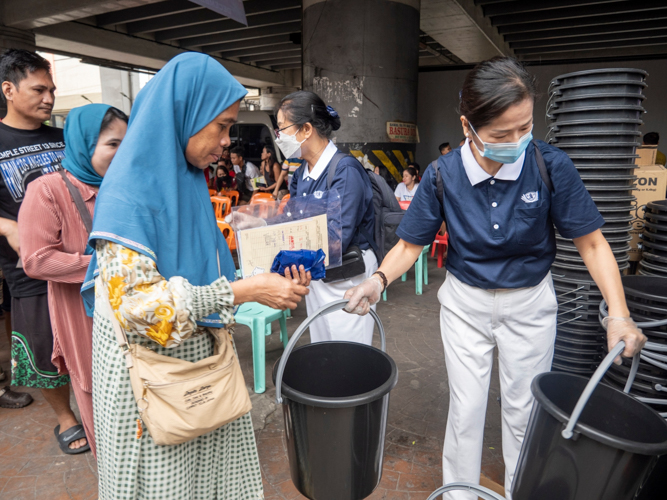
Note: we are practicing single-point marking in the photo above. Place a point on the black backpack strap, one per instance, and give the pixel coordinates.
(543, 168)
(439, 188)
(333, 164)
(78, 201)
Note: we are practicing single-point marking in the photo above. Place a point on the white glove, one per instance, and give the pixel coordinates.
(624, 329)
(240, 221)
(364, 295)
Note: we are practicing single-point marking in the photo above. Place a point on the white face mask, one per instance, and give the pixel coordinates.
(289, 145)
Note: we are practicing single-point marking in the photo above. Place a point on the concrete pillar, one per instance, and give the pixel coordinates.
(362, 58)
(270, 97)
(119, 88)
(12, 38)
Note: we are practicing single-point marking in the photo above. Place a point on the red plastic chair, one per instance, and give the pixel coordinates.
(222, 206)
(228, 233)
(441, 242)
(211, 192)
(231, 194)
(258, 197)
(283, 202)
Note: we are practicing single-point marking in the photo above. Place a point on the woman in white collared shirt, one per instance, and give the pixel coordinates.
(305, 124)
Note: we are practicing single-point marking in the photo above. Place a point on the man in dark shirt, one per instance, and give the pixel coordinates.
(29, 149)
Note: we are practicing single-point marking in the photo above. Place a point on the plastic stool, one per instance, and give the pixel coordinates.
(258, 318)
(441, 243)
(421, 273)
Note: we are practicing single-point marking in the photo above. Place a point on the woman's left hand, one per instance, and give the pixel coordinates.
(626, 330)
(300, 276)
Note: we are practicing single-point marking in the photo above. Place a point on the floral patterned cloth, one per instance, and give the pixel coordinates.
(161, 314)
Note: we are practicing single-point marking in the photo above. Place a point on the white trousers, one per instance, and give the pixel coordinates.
(522, 324)
(340, 325)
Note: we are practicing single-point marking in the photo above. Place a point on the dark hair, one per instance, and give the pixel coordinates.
(303, 107)
(651, 139)
(412, 171)
(15, 64)
(111, 115)
(492, 86)
(238, 151)
(415, 166)
(443, 146)
(273, 158)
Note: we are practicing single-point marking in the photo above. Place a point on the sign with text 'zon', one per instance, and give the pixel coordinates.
(403, 132)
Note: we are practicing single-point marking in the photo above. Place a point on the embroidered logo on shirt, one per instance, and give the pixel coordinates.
(531, 197)
(318, 194)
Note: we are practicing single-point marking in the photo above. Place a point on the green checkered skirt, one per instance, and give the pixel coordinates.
(220, 465)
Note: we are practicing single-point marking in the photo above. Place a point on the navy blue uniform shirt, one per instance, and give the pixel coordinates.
(355, 190)
(501, 232)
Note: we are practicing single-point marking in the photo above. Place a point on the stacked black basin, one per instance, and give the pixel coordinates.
(647, 300)
(594, 116)
(654, 240)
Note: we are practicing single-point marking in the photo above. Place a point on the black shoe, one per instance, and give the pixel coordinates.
(11, 399)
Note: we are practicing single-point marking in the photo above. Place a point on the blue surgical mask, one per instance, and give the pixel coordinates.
(504, 152)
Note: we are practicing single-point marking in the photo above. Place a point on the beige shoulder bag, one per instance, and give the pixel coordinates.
(179, 400)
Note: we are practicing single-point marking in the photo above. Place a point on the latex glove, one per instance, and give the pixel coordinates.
(624, 329)
(240, 221)
(364, 295)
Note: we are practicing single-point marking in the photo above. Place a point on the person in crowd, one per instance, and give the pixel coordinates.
(289, 166)
(28, 149)
(652, 139)
(498, 292)
(270, 169)
(406, 190)
(224, 179)
(245, 172)
(53, 241)
(462, 142)
(305, 125)
(444, 148)
(175, 308)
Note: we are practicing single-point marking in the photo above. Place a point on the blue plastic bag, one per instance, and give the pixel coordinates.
(311, 260)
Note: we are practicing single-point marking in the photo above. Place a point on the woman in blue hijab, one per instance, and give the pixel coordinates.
(170, 276)
(53, 240)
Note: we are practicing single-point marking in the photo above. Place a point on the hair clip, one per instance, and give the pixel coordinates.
(332, 112)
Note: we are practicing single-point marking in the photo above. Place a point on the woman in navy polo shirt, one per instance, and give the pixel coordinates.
(498, 291)
(305, 124)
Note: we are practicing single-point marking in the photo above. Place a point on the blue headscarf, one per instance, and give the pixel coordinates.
(82, 129)
(152, 200)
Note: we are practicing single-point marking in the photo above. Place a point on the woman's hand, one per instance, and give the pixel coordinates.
(364, 295)
(277, 291)
(300, 276)
(239, 221)
(626, 330)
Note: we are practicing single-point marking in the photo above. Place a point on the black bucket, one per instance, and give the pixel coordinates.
(608, 447)
(336, 399)
(617, 75)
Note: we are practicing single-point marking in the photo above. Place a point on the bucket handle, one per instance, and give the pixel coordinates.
(593, 382)
(480, 491)
(326, 309)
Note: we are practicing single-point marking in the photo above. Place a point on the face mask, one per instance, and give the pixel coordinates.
(289, 145)
(504, 152)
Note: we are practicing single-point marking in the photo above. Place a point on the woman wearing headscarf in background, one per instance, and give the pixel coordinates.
(53, 241)
(160, 255)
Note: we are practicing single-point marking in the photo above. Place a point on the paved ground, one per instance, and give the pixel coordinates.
(32, 466)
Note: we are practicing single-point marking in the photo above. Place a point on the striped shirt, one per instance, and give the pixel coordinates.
(52, 242)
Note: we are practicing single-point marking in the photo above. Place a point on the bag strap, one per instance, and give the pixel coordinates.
(439, 188)
(78, 201)
(121, 338)
(543, 167)
(330, 177)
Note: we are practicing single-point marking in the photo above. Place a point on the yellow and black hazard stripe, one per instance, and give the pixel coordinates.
(394, 157)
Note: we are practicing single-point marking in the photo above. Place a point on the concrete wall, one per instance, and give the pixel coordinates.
(439, 94)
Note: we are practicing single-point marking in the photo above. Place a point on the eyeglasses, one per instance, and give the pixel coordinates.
(278, 130)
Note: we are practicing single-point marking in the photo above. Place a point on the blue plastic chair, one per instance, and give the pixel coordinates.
(421, 273)
(258, 318)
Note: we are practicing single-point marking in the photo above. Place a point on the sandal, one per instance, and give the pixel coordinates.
(68, 437)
